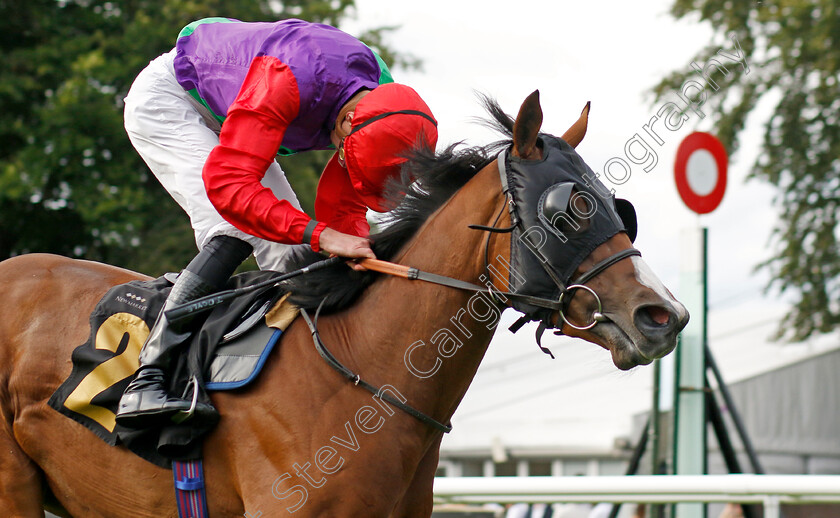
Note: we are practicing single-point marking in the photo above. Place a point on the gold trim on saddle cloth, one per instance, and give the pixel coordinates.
(282, 314)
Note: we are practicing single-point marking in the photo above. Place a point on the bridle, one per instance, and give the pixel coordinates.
(566, 290)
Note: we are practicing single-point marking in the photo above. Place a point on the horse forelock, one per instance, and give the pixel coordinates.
(429, 179)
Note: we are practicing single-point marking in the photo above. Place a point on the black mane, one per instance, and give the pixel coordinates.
(428, 180)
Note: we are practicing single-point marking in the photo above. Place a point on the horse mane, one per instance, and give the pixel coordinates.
(427, 181)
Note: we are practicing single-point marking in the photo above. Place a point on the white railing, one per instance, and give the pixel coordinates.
(768, 490)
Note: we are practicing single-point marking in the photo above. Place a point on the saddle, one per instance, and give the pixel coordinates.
(227, 348)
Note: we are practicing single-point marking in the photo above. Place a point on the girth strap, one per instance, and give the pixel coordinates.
(190, 493)
(356, 380)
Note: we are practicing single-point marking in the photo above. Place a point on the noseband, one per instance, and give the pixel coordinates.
(580, 283)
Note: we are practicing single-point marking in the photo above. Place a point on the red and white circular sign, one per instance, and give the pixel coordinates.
(700, 172)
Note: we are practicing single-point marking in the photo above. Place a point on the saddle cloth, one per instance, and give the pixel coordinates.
(226, 350)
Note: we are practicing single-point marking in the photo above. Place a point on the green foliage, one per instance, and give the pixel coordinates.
(375, 39)
(70, 181)
(793, 48)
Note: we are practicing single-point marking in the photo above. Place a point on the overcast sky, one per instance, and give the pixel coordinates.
(609, 53)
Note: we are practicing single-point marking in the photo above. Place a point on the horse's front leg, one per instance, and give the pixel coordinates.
(418, 499)
(21, 491)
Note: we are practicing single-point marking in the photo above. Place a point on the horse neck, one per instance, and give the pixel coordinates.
(428, 340)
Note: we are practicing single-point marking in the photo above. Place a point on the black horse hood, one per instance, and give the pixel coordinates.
(555, 235)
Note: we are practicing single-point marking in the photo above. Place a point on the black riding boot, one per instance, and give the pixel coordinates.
(146, 402)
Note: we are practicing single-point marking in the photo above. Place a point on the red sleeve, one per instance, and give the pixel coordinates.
(251, 135)
(337, 204)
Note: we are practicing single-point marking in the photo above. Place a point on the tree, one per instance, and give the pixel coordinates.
(70, 181)
(793, 48)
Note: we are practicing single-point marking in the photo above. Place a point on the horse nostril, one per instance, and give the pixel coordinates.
(658, 314)
(653, 318)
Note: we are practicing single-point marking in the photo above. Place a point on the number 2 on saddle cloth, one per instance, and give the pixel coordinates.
(104, 365)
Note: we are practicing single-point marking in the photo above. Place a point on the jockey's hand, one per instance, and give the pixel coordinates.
(346, 245)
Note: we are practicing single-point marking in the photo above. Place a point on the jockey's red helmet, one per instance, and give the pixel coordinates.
(387, 124)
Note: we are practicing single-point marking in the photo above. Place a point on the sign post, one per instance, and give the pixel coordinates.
(700, 174)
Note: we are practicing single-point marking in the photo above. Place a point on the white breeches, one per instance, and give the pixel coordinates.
(175, 134)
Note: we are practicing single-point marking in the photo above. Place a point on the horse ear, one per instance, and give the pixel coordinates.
(575, 134)
(527, 126)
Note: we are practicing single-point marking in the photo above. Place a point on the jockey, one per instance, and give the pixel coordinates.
(210, 116)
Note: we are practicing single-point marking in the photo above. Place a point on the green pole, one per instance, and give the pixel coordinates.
(690, 401)
(655, 462)
(654, 420)
(705, 342)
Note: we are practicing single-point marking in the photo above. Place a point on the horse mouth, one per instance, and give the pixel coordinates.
(648, 333)
(626, 352)
(627, 355)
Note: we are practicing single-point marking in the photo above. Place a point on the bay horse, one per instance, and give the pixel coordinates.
(302, 440)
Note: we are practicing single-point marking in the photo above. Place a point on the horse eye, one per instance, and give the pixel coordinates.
(556, 200)
(554, 209)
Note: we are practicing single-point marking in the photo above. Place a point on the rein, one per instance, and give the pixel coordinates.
(359, 382)
(414, 274)
(411, 273)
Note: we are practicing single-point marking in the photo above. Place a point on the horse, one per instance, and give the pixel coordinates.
(301, 439)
